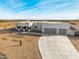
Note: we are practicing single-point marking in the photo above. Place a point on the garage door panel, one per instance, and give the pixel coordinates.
(62, 31)
(50, 31)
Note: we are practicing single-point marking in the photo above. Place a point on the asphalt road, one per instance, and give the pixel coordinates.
(57, 47)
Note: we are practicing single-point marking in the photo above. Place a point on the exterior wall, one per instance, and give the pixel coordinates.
(43, 30)
(22, 26)
(38, 25)
(70, 32)
(58, 26)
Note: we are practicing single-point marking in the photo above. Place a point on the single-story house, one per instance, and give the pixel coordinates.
(54, 28)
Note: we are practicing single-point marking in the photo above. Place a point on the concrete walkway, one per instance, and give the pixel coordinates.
(57, 47)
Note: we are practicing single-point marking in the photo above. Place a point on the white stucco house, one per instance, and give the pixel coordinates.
(54, 28)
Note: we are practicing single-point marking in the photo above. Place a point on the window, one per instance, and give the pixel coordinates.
(18, 27)
(24, 27)
(36, 27)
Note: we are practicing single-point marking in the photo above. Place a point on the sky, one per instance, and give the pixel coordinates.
(39, 9)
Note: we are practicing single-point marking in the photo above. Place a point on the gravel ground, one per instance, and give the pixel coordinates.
(27, 49)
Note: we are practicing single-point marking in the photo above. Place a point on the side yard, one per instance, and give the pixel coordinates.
(27, 50)
(75, 41)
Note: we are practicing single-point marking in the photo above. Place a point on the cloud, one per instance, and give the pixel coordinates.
(52, 9)
(45, 9)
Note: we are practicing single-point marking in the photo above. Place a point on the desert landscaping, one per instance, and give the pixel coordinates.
(11, 46)
(75, 42)
(14, 50)
(15, 45)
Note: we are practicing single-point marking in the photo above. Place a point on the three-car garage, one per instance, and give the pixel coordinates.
(55, 31)
(54, 28)
(57, 28)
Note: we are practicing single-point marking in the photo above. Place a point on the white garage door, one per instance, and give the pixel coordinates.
(62, 32)
(50, 31)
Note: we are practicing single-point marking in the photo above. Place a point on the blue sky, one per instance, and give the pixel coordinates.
(39, 9)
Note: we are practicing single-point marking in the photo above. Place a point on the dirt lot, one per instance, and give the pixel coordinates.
(75, 22)
(13, 50)
(75, 42)
(7, 24)
(75, 39)
(27, 50)
(11, 46)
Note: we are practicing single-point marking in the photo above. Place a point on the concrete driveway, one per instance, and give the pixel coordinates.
(57, 47)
